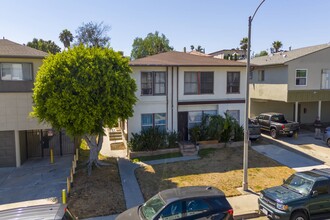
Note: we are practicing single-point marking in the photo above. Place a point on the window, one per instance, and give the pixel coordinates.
(234, 114)
(16, 71)
(233, 82)
(198, 83)
(153, 83)
(325, 79)
(261, 75)
(153, 120)
(322, 187)
(301, 77)
(172, 211)
(196, 206)
(195, 118)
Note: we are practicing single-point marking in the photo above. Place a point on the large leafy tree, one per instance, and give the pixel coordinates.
(277, 45)
(46, 46)
(244, 44)
(93, 35)
(150, 45)
(66, 38)
(84, 90)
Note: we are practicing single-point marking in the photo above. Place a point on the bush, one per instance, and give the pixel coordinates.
(153, 139)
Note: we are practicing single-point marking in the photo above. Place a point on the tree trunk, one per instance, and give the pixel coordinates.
(95, 144)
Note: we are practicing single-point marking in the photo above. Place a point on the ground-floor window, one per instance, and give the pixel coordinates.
(195, 117)
(234, 114)
(153, 120)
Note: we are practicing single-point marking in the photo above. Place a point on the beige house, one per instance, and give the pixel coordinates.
(175, 89)
(21, 137)
(295, 82)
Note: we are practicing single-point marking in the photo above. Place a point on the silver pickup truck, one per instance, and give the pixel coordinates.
(275, 124)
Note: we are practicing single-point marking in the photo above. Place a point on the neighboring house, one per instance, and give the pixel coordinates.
(175, 89)
(22, 137)
(229, 54)
(295, 82)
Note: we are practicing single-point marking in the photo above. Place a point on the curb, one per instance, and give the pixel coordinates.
(250, 215)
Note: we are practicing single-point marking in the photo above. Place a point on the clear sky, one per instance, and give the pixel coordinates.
(213, 24)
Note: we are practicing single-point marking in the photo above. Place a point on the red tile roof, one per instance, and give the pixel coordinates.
(12, 49)
(174, 58)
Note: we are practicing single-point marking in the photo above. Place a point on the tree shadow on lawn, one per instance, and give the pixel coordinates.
(221, 168)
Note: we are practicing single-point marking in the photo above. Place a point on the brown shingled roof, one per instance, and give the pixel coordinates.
(12, 49)
(174, 58)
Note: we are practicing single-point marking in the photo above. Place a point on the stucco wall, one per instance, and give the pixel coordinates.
(258, 107)
(325, 112)
(169, 103)
(14, 112)
(273, 75)
(314, 63)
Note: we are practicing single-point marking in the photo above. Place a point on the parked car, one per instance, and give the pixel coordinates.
(254, 130)
(275, 124)
(326, 136)
(302, 195)
(46, 212)
(194, 202)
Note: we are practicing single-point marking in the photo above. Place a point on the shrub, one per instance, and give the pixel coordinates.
(215, 127)
(153, 139)
(238, 131)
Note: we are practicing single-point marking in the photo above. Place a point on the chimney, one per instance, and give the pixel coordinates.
(184, 49)
(290, 48)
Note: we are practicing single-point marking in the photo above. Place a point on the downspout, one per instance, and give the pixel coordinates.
(177, 93)
(167, 95)
(172, 96)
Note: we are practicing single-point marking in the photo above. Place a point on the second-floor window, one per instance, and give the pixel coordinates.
(261, 75)
(233, 82)
(153, 83)
(16, 71)
(301, 77)
(325, 79)
(198, 83)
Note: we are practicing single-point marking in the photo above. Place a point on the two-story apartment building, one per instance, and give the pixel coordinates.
(175, 89)
(22, 137)
(295, 82)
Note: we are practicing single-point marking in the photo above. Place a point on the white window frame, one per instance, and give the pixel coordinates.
(301, 77)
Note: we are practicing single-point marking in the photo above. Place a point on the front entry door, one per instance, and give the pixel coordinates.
(183, 125)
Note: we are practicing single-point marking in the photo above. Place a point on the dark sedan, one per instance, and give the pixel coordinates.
(326, 136)
(194, 202)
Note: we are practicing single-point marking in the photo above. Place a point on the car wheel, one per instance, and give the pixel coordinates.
(328, 142)
(299, 216)
(273, 133)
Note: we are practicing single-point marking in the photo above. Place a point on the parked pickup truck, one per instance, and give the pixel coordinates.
(302, 196)
(276, 124)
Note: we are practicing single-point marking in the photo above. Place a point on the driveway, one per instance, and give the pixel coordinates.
(36, 179)
(303, 153)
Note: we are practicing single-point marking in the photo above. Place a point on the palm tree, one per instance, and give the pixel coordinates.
(66, 38)
(277, 45)
(244, 44)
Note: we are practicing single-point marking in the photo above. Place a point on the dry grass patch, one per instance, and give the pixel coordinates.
(99, 194)
(221, 168)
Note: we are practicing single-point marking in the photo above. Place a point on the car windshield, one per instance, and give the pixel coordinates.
(299, 184)
(152, 206)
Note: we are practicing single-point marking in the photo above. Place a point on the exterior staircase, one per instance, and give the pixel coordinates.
(115, 135)
(188, 149)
